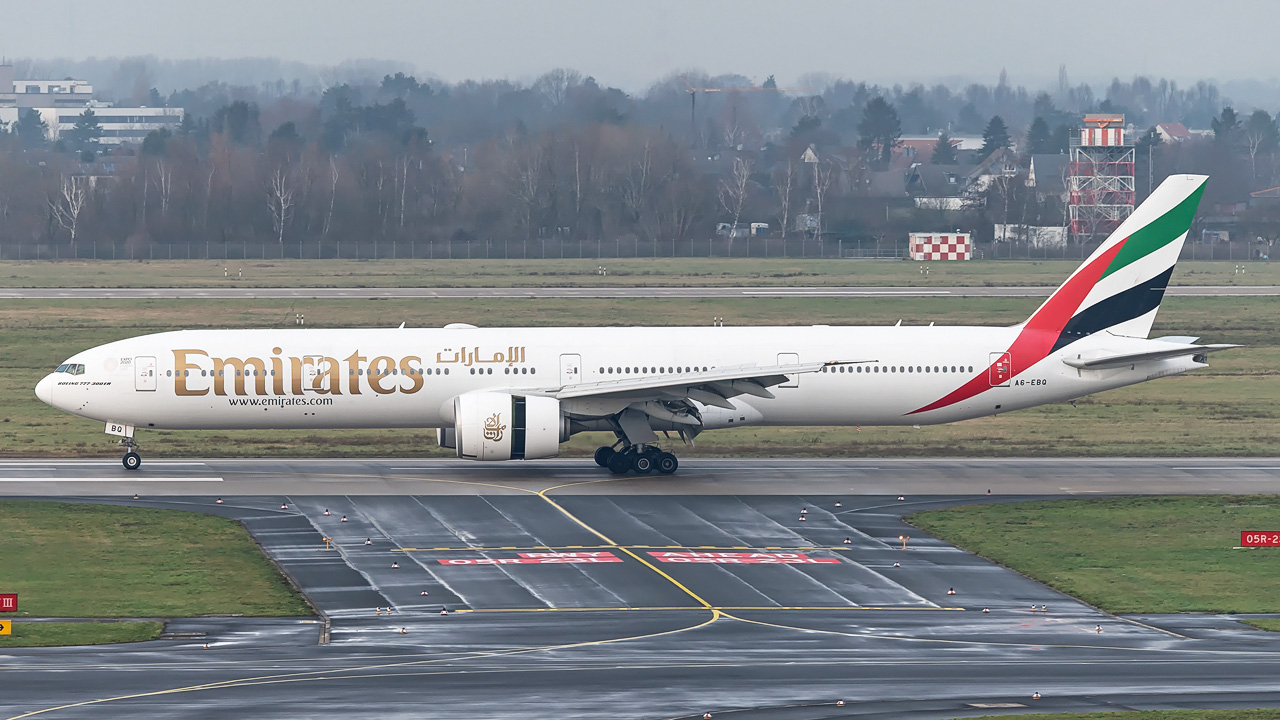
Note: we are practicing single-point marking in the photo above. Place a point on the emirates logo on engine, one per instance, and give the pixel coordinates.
(493, 427)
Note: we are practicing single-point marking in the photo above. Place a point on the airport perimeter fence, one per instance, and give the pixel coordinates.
(794, 248)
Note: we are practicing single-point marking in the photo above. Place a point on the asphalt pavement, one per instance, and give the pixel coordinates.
(647, 598)
(696, 476)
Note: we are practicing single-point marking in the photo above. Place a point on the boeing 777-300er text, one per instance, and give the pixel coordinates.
(517, 393)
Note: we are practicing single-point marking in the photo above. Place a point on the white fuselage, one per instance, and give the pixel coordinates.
(228, 379)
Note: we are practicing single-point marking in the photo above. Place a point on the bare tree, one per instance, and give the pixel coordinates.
(280, 192)
(733, 194)
(637, 184)
(333, 195)
(556, 84)
(68, 204)
(822, 176)
(163, 183)
(526, 184)
(784, 180)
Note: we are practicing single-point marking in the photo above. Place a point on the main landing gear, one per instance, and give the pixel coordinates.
(132, 460)
(643, 459)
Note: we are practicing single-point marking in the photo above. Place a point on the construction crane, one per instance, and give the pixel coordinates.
(693, 97)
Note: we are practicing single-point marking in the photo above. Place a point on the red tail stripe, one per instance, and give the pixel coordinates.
(1039, 333)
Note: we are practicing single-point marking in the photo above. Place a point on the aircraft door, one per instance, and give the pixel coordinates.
(313, 371)
(789, 359)
(1001, 369)
(570, 369)
(144, 374)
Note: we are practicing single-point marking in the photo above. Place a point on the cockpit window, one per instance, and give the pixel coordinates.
(72, 368)
(61, 368)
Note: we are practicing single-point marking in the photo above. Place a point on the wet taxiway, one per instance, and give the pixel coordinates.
(577, 602)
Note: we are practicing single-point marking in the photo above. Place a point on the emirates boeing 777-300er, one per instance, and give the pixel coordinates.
(517, 393)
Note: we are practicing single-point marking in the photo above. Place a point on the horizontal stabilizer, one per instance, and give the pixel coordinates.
(1123, 359)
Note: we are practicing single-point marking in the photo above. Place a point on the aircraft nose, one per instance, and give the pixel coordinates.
(44, 390)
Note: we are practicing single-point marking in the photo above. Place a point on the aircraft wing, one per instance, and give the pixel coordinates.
(712, 387)
(1121, 359)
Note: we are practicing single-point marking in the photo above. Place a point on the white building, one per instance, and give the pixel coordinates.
(61, 102)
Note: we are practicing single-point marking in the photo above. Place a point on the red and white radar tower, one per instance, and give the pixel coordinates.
(1101, 177)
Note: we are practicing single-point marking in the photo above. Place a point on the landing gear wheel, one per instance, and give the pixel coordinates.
(619, 463)
(667, 463)
(642, 463)
(132, 460)
(603, 454)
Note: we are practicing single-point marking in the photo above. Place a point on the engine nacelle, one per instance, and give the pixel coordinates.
(502, 426)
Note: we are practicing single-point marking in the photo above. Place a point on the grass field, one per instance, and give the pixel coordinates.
(53, 634)
(1229, 409)
(1129, 555)
(1272, 624)
(567, 273)
(1264, 714)
(72, 560)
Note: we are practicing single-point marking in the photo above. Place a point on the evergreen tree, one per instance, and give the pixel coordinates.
(1226, 127)
(154, 143)
(1039, 138)
(944, 153)
(995, 136)
(1061, 141)
(239, 122)
(879, 130)
(86, 135)
(31, 129)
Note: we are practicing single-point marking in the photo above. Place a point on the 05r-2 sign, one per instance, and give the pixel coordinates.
(1260, 538)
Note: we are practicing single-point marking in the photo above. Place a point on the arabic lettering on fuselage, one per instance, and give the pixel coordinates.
(467, 358)
(197, 372)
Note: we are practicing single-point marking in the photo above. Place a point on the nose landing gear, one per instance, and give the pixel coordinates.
(642, 459)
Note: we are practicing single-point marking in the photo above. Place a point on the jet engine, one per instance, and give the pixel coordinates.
(502, 426)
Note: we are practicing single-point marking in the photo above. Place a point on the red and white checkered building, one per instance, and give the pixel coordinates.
(941, 246)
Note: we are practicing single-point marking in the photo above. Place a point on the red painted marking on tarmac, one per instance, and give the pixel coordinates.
(735, 558)
(541, 559)
(587, 554)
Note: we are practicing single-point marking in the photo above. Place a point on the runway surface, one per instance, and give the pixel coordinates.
(405, 476)
(767, 588)
(635, 606)
(229, 293)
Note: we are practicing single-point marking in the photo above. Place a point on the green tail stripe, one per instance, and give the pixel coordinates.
(1158, 233)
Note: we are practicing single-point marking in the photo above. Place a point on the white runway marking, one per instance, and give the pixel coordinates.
(1227, 467)
(100, 463)
(107, 479)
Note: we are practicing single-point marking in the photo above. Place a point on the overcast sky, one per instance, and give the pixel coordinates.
(631, 44)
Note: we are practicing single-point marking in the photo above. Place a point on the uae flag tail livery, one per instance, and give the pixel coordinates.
(1109, 302)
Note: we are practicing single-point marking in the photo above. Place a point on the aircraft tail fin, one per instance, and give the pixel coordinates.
(1120, 287)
